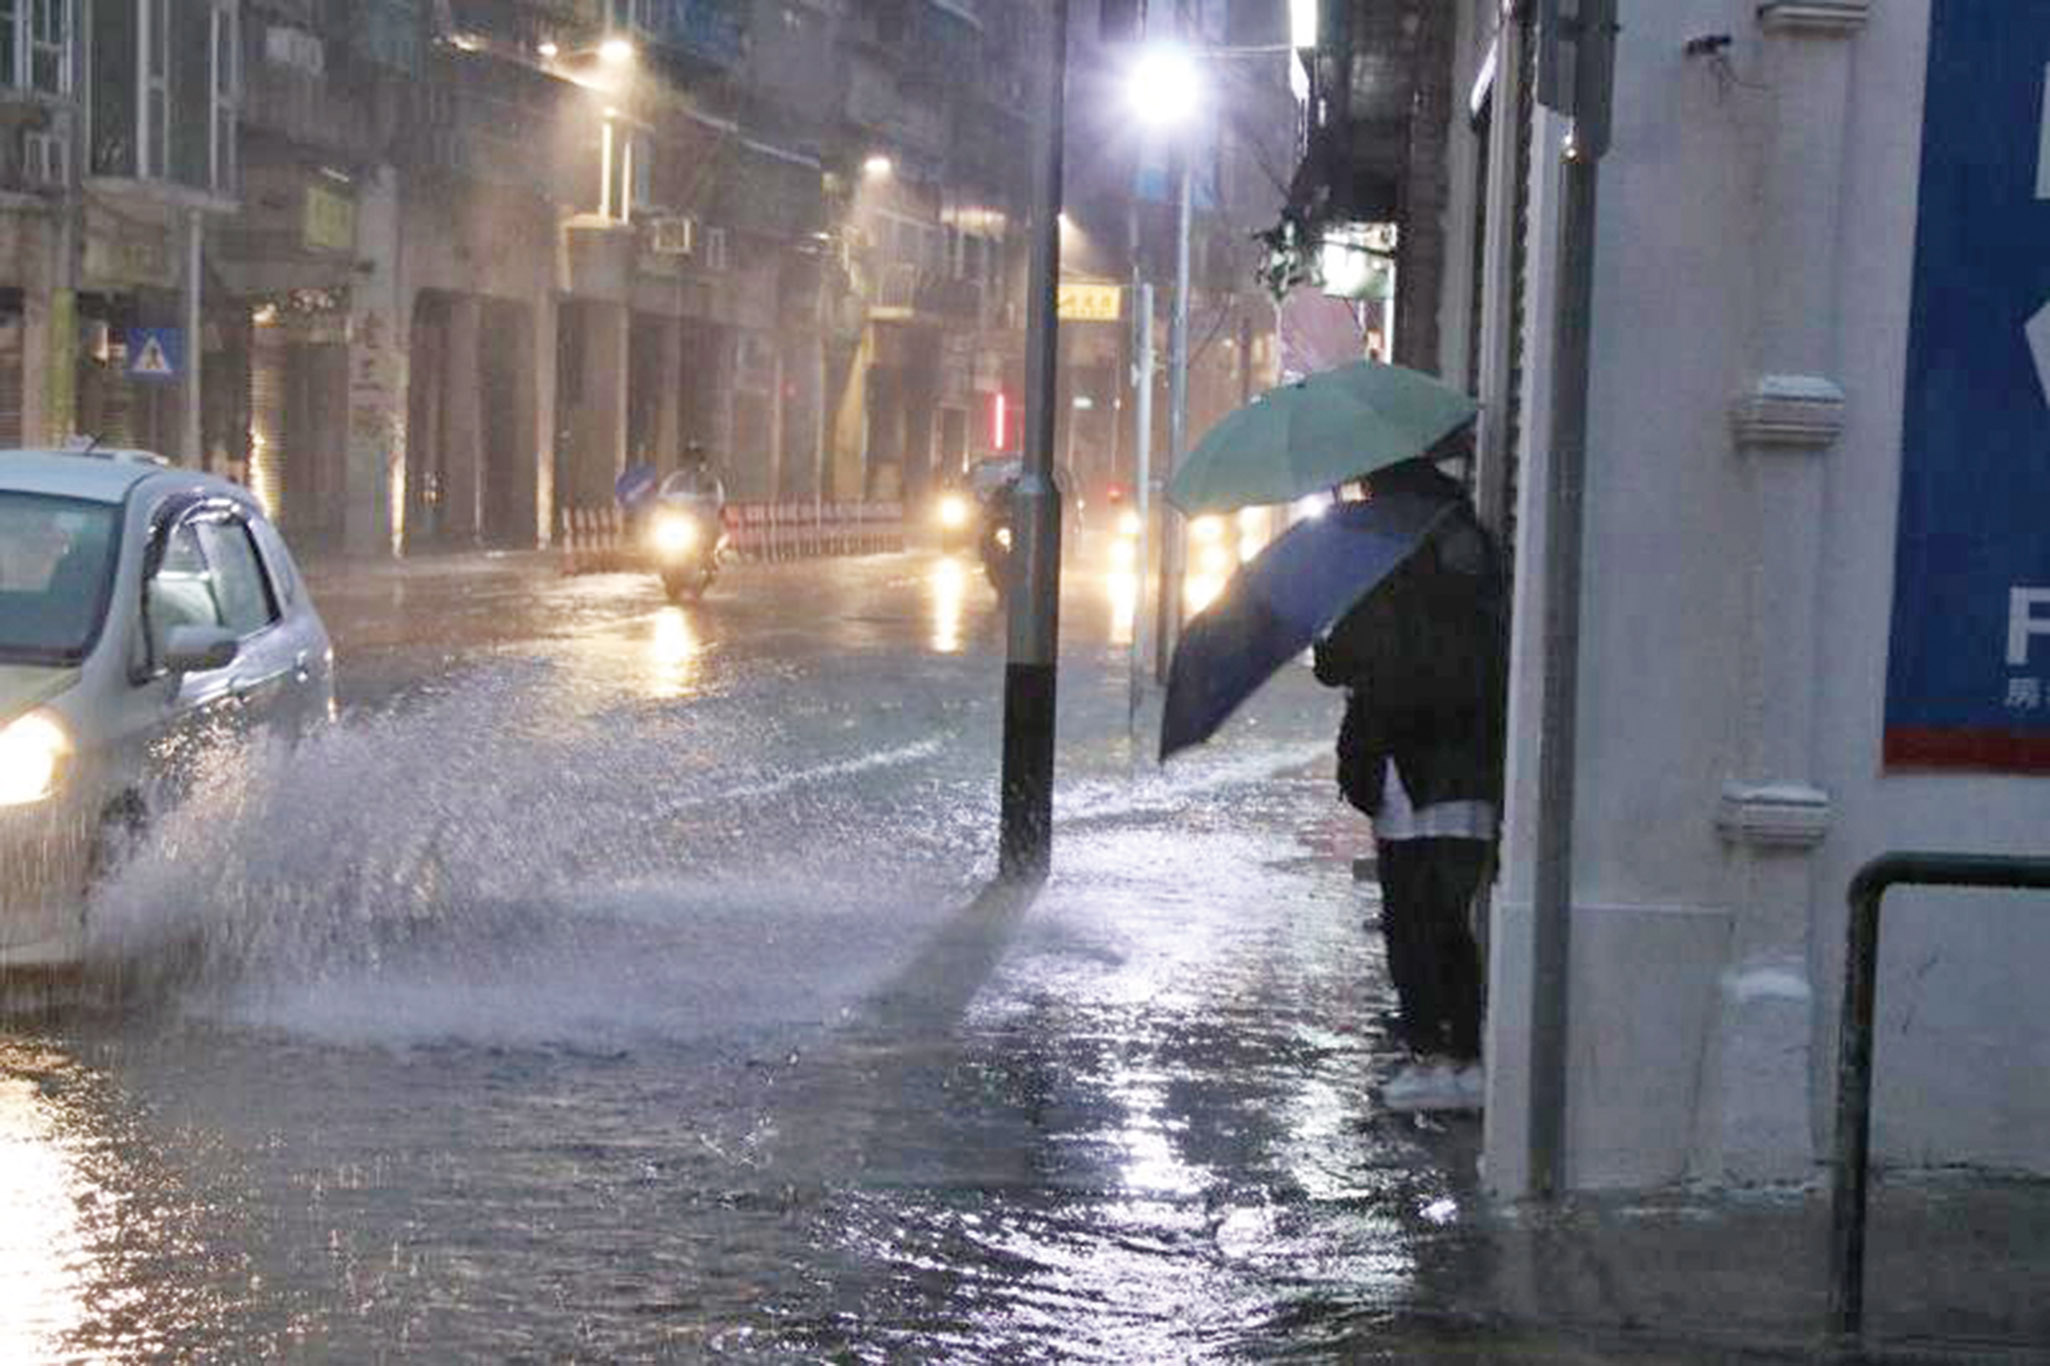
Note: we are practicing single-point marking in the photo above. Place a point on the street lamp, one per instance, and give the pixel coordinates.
(1165, 91)
(1164, 88)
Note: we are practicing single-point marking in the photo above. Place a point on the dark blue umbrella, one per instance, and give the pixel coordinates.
(1283, 599)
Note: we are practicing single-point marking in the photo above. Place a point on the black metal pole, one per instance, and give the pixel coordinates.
(1572, 368)
(1848, 1185)
(1025, 846)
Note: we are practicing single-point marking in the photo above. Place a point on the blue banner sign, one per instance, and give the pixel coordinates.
(1968, 676)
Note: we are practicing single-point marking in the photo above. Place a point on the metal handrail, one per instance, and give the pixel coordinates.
(1854, 1047)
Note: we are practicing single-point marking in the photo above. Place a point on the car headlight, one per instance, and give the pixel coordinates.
(953, 512)
(674, 535)
(33, 751)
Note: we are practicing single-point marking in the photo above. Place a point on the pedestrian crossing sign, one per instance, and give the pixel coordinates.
(156, 353)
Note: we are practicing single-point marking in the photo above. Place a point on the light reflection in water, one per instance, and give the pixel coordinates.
(42, 1247)
(1123, 587)
(948, 585)
(673, 648)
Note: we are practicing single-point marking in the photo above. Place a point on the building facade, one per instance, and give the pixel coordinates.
(1807, 624)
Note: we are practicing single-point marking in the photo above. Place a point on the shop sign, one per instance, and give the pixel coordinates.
(123, 259)
(1091, 303)
(329, 220)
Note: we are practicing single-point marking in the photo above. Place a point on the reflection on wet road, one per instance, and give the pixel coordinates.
(612, 983)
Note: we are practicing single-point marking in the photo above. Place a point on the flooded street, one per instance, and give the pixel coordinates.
(613, 982)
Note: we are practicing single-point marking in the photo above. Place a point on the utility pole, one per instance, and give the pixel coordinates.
(192, 439)
(1142, 482)
(1578, 78)
(1173, 544)
(1025, 846)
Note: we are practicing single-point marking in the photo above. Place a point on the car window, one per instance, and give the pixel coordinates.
(284, 575)
(239, 585)
(181, 592)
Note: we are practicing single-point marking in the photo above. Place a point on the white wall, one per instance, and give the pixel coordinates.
(1735, 634)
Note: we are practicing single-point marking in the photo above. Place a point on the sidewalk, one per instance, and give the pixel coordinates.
(1958, 1262)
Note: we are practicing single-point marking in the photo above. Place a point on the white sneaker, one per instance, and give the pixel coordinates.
(1422, 1086)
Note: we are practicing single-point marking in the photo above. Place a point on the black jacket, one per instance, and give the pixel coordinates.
(1425, 658)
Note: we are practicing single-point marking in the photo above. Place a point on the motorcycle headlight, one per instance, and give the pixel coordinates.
(33, 751)
(953, 512)
(675, 535)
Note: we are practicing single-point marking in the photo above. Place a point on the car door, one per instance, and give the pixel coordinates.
(201, 711)
(311, 703)
(270, 664)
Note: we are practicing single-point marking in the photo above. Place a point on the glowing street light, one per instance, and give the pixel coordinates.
(1164, 86)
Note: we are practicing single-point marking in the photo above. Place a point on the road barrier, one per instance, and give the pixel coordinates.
(593, 540)
(1854, 1047)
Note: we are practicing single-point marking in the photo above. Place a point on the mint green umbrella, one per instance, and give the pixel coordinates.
(1316, 434)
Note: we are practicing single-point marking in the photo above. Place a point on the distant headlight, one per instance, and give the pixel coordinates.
(32, 754)
(953, 512)
(1128, 524)
(1004, 537)
(674, 535)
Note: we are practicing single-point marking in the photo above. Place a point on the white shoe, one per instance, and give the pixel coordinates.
(1421, 1086)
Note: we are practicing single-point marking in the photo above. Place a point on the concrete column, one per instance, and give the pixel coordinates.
(669, 394)
(1760, 1115)
(462, 422)
(778, 429)
(380, 321)
(598, 426)
(547, 318)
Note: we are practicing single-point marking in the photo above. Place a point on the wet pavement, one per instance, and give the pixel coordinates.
(616, 982)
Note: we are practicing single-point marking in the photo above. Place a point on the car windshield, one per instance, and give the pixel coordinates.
(55, 554)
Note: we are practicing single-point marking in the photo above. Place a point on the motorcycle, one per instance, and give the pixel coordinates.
(685, 541)
(995, 545)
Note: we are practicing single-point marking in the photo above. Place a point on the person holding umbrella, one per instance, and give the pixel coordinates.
(1422, 659)
(1400, 595)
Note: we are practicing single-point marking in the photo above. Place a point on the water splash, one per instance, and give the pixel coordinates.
(484, 866)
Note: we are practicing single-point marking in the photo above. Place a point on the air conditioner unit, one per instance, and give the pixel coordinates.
(673, 236)
(45, 160)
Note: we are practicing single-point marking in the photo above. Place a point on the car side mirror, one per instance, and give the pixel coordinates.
(199, 649)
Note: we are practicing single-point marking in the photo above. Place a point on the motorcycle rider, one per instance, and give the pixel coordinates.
(696, 483)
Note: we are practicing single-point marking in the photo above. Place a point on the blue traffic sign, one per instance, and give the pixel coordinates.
(1968, 674)
(156, 353)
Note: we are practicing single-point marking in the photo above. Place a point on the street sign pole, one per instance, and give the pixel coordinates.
(1172, 547)
(193, 436)
(1142, 481)
(1025, 845)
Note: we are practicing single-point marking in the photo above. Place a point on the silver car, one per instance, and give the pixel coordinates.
(151, 619)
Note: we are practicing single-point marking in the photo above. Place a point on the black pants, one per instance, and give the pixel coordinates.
(1427, 891)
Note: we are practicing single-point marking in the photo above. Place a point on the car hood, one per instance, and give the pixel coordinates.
(23, 686)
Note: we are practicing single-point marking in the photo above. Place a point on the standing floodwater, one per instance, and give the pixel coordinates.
(611, 982)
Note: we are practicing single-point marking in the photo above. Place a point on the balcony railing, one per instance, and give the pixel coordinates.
(714, 30)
